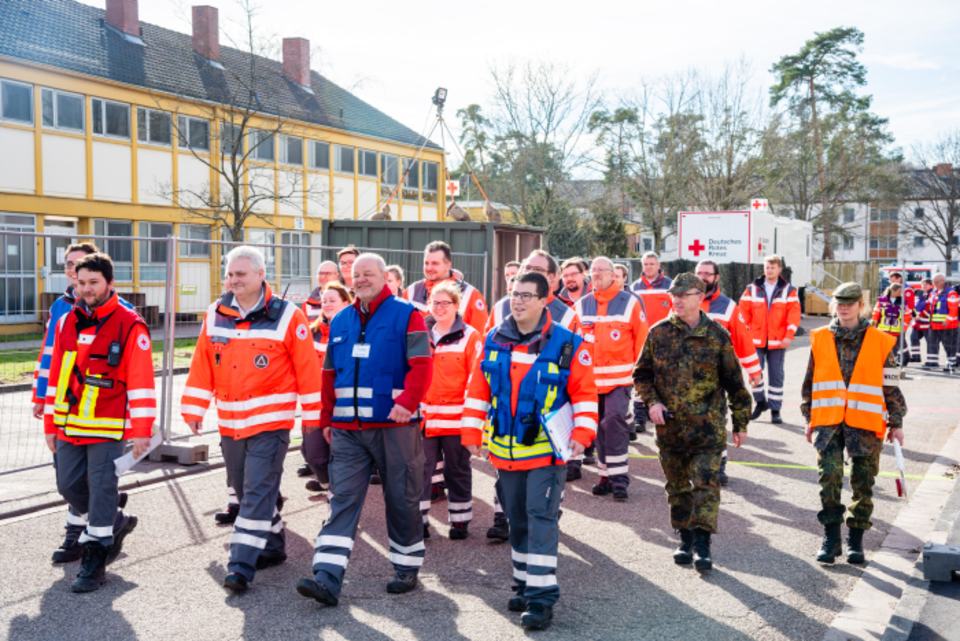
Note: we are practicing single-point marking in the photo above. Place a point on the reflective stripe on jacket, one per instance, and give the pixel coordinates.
(887, 315)
(313, 306)
(943, 308)
(656, 300)
(454, 356)
(614, 327)
(770, 325)
(473, 308)
(725, 312)
(861, 404)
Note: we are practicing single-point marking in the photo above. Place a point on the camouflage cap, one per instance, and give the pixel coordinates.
(848, 293)
(685, 282)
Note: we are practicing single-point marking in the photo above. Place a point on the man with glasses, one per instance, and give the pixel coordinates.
(614, 327)
(725, 312)
(326, 273)
(573, 271)
(686, 372)
(346, 258)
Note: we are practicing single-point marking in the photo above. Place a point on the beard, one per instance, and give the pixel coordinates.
(712, 287)
(574, 287)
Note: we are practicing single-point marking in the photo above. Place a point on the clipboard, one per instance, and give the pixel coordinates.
(558, 426)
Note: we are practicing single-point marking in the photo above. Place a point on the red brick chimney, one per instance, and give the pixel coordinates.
(206, 33)
(944, 170)
(296, 60)
(122, 15)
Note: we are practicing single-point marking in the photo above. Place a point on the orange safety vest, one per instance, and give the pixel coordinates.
(860, 404)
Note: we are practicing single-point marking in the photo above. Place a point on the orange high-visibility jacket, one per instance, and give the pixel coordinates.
(313, 306)
(257, 367)
(769, 326)
(453, 358)
(861, 404)
(887, 313)
(473, 308)
(656, 301)
(560, 312)
(722, 310)
(614, 328)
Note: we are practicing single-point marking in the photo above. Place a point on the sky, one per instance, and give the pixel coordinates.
(395, 54)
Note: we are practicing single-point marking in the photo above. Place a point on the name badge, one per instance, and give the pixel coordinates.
(361, 350)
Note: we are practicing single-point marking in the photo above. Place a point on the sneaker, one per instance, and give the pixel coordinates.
(603, 488)
(759, 409)
(229, 515)
(316, 591)
(537, 616)
(264, 562)
(126, 528)
(236, 582)
(315, 486)
(458, 532)
(402, 582)
(304, 470)
(437, 493)
(500, 529)
(775, 417)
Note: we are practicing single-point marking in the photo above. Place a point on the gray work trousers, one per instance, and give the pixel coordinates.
(397, 452)
(316, 452)
(531, 500)
(773, 361)
(947, 338)
(457, 473)
(613, 435)
(254, 467)
(915, 351)
(87, 479)
(76, 522)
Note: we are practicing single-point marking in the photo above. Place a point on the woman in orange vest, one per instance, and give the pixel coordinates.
(315, 449)
(851, 400)
(891, 316)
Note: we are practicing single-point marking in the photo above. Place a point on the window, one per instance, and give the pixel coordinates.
(954, 267)
(16, 102)
(849, 213)
(956, 240)
(261, 145)
(154, 126)
(229, 136)
(344, 158)
(111, 118)
(61, 110)
(319, 155)
(848, 243)
(919, 241)
(291, 150)
(367, 163)
(194, 250)
(265, 240)
(883, 242)
(121, 251)
(193, 133)
(153, 255)
(648, 244)
(18, 270)
(389, 174)
(918, 212)
(430, 182)
(411, 184)
(882, 215)
(295, 263)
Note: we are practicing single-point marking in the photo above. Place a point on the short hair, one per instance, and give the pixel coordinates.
(99, 263)
(622, 268)
(254, 255)
(382, 264)
(85, 247)
(350, 249)
(448, 288)
(889, 290)
(439, 246)
(551, 261)
(543, 287)
(897, 274)
(716, 268)
(576, 261)
(928, 281)
(396, 270)
(339, 287)
(512, 263)
(773, 258)
(585, 264)
(650, 255)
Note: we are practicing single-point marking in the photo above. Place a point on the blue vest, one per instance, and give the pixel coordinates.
(543, 389)
(366, 387)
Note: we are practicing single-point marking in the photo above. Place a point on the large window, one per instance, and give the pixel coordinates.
(291, 150)
(319, 155)
(882, 215)
(230, 136)
(61, 110)
(193, 133)
(261, 145)
(411, 184)
(295, 263)
(18, 270)
(16, 102)
(430, 182)
(389, 174)
(367, 163)
(153, 255)
(111, 118)
(848, 243)
(849, 213)
(194, 250)
(154, 126)
(919, 241)
(121, 251)
(265, 240)
(344, 159)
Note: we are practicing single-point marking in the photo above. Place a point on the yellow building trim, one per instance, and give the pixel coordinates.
(37, 141)
(134, 151)
(88, 145)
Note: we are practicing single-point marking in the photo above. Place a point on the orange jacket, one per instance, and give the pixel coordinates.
(560, 312)
(257, 367)
(722, 310)
(453, 359)
(614, 327)
(886, 316)
(656, 300)
(473, 308)
(769, 326)
(136, 371)
(313, 306)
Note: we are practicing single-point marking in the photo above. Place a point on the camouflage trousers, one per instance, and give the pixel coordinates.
(830, 467)
(693, 487)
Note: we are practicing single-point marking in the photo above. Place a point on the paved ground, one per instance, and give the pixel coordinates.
(616, 571)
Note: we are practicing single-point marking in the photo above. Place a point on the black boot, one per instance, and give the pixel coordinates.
(855, 545)
(229, 515)
(831, 547)
(517, 603)
(537, 616)
(316, 591)
(93, 570)
(500, 529)
(722, 475)
(759, 409)
(632, 436)
(402, 582)
(573, 473)
(684, 554)
(701, 549)
(603, 488)
(70, 550)
(125, 528)
(775, 417)
(458, 531)
(304, 470)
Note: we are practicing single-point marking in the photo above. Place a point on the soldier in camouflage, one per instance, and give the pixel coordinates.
(863, 446)
(686, 370)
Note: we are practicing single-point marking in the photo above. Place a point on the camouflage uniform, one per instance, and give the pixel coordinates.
(863, 446)
(691, 372)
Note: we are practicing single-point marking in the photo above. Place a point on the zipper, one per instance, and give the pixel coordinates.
(356, 377)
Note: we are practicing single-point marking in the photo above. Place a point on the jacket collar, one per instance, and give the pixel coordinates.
(315, 295)
(70, 294)
(385, 293)
(608, 294)
(699, 330)
(509, 334)
(714, 296)
(843, 333)
(456, 330)
(655, 281)
(227, 307)
(781, 282)
(102, 311)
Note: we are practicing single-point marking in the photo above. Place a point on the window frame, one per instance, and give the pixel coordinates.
(429, 195)
(256, 147)
(283, 155)
(183, 141)
(143, 124)
(120, 266)
(146, 248)
(224, 152)
(363, 156)
(269, 251)
(312, 146)
(187, 249)
(407, 190)
(286, 254)
(56, 126)
(31, 110)
(338, 157)
(103, 118)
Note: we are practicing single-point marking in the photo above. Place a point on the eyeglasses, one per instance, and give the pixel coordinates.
(524, 297)
(599, 270)
(328, 273)
(70, 264)
(539, 270)
(442, 304)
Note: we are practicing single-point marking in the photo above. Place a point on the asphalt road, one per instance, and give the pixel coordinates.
(616, 573)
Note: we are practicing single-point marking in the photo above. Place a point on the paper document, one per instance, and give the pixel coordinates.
(902, 481)
(125, 462)
(559, 427)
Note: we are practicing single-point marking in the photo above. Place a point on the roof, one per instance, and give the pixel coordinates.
(71, 36)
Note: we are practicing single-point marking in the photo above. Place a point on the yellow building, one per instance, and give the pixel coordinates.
(108, 124)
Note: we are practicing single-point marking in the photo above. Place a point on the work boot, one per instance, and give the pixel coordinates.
(590, 456)
(759, 409)
(855, 545)
(458, 532)
(315, 486)
(641, 427)
(537, 616)
(236, 582)
(683, 555)
(620, 493)
(437, 493)
(70, 550)
(402, 582)
(93, 568)
(264, 562)
(229, 516)
(722, 475)
(574, 473)
(126, 527)
(375, 479)
(316, 591)
(426, 531)
(831, 547)
(122, 500)
(603, 488)
(701, 549)
(775, 417)
(280, 502)
(304, 470)
(632, 436)
(500, 529)
(517, 603)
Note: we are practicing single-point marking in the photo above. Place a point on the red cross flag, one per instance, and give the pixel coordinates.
(453, 188)
(759, 206)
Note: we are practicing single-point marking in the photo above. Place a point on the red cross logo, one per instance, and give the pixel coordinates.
(757, 204)
(451, 187)
(696, 248)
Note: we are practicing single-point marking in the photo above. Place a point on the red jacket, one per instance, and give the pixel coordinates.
(656, 300)
(770, 324)
(614, 328)
(724, 311)
(473, 308)
(453, 359)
